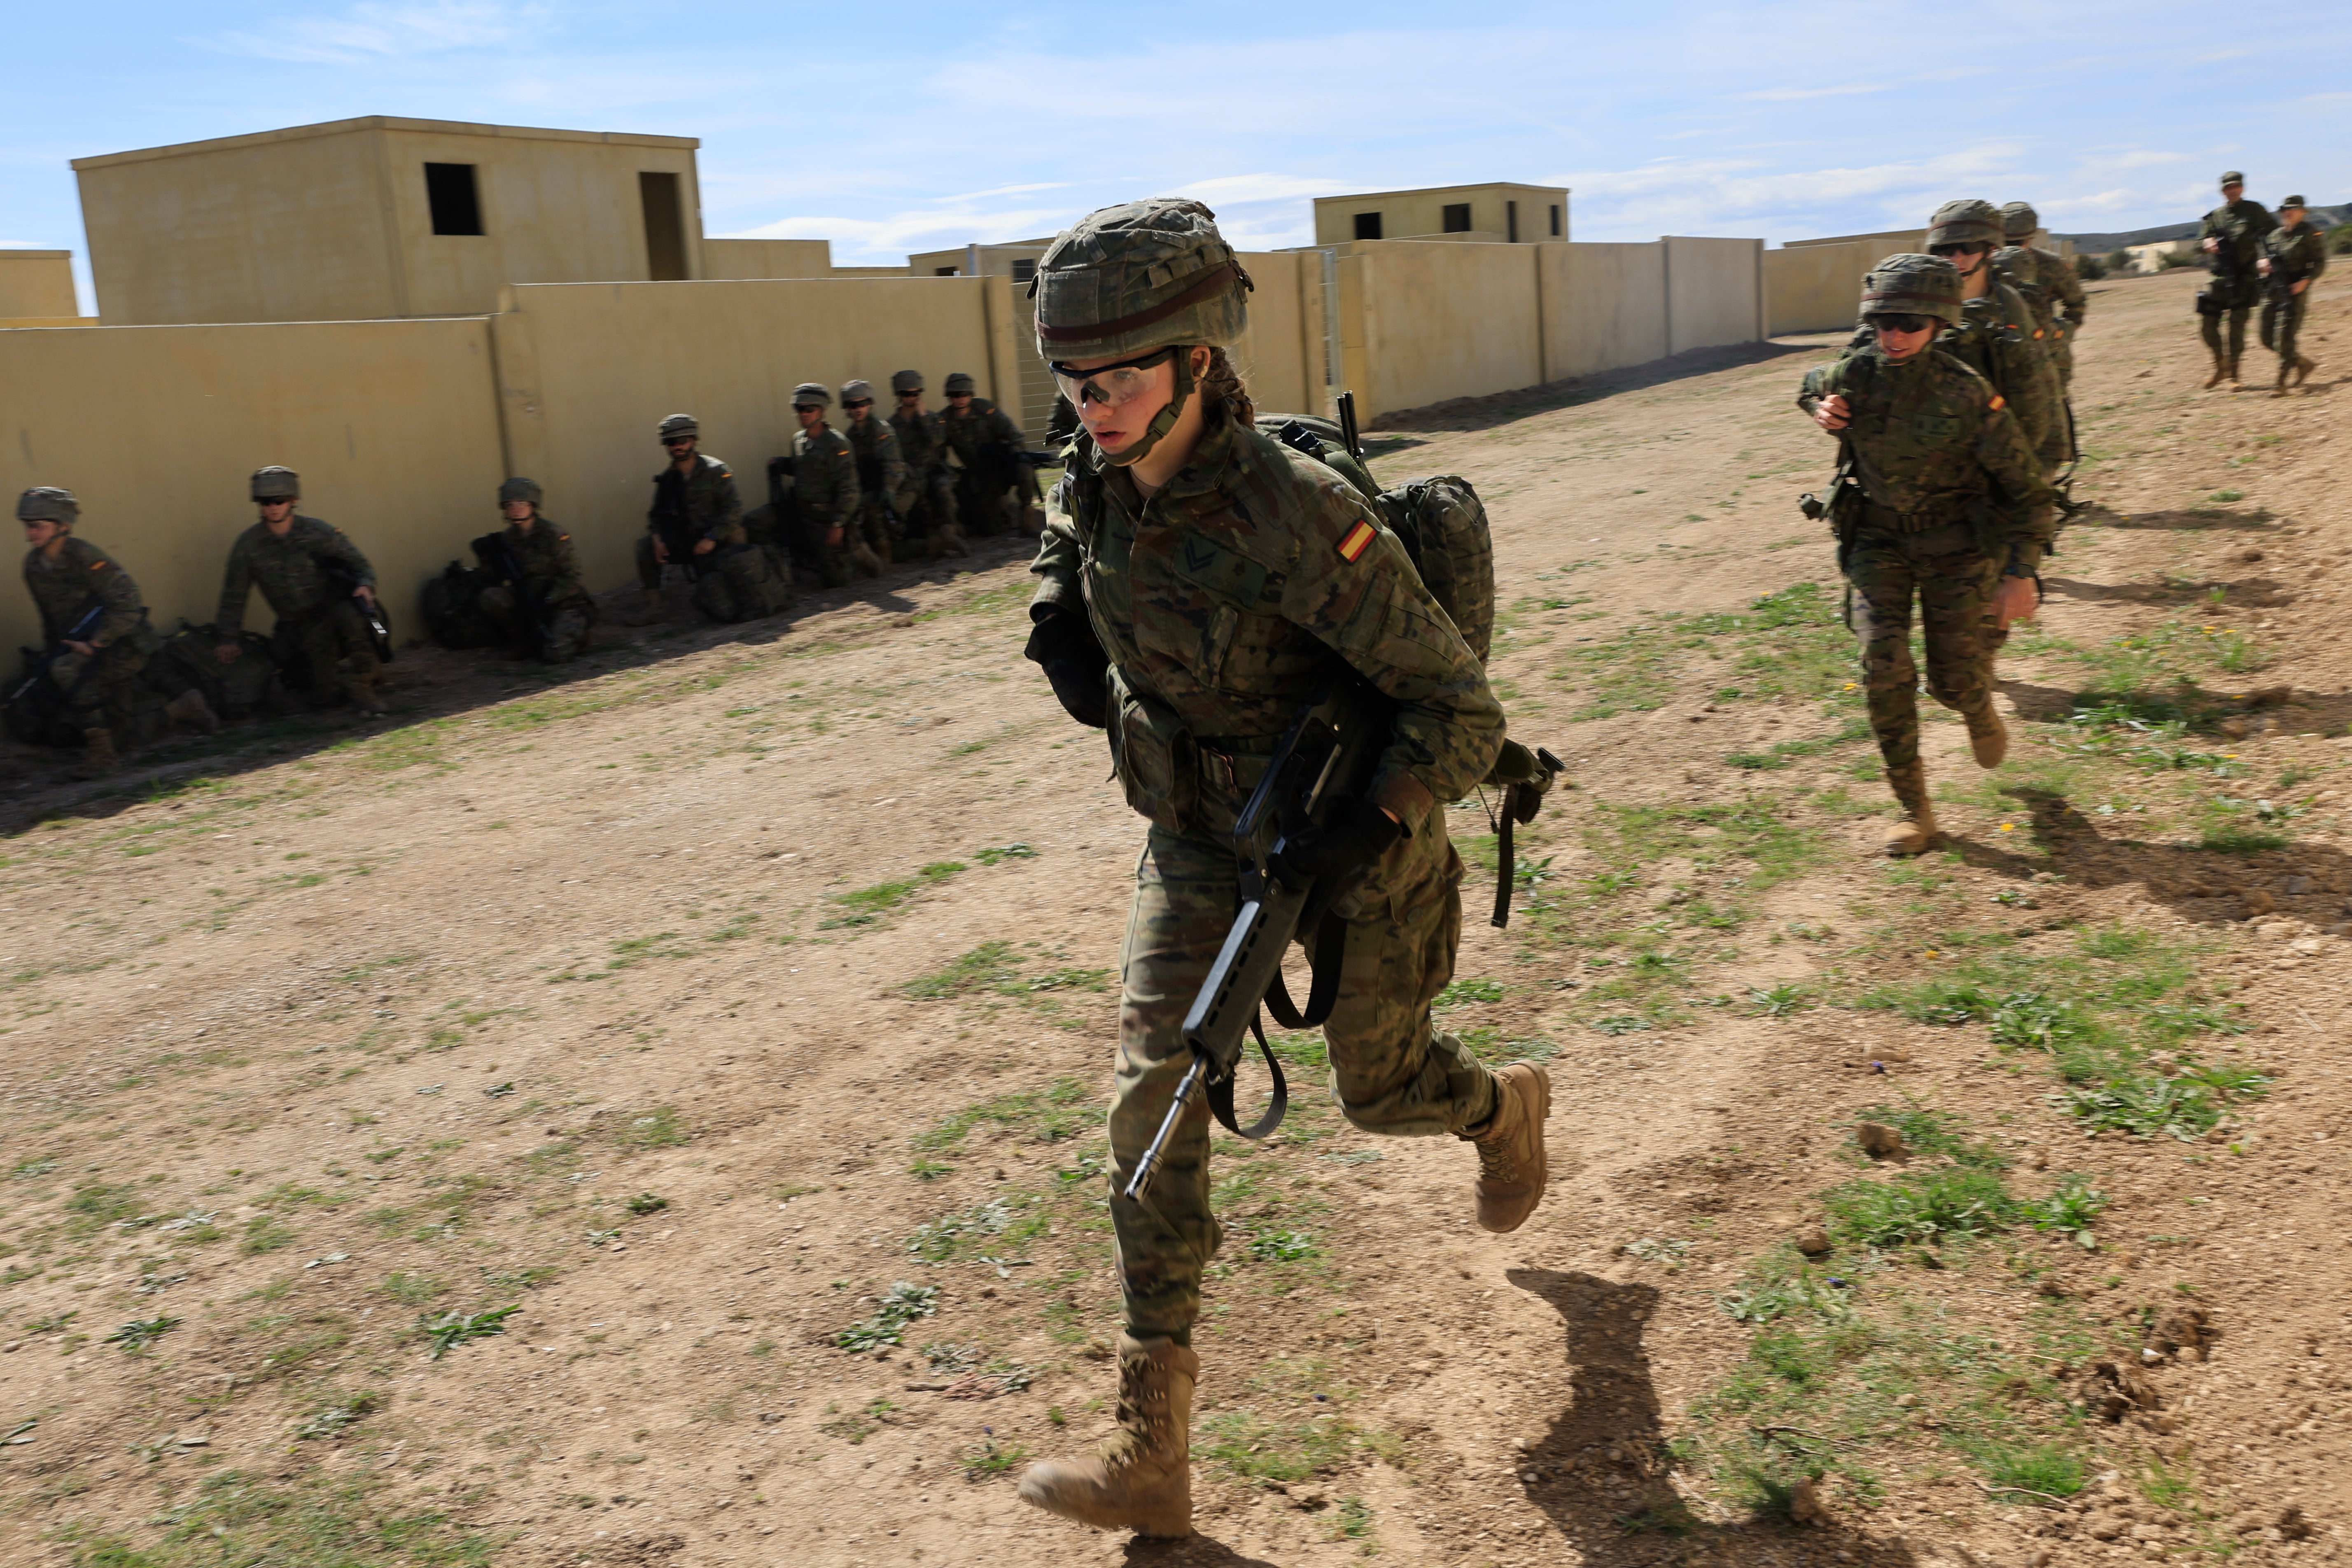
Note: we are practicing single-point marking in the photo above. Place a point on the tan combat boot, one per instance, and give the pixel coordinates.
(2232, 377)
(1988, 737)
(2221, 370)
(949, 540)
(1141, 1477)
(189, 711)
(1512, 1168)
(97, 757)
(362, 693)
(2304, 366)
(1915, 833)
(867, 561)
(2278, 388)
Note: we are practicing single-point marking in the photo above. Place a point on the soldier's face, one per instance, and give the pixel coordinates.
(1899, 346)
(2289, 216)
(811, 415)
(518, 511)
(2231, 193)
(278, 513)
(959, 401)
(41, 530)
(860, 409)
(679, 448)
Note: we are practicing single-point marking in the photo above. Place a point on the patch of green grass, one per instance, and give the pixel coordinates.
(902, 1304)
(1923, 1205)
(1258, 1448)
(414, 1290)
(1067, 1108)
(310, 1519)
(954, 1235)
(2232, 839)
(658, 1128)
(988, 1459)
(990, 965)
(137, 1335)
(1463, 992)
(867, 906)
(264, 1234)
(451, 1330)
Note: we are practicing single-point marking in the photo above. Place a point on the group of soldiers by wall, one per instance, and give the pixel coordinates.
(2257, 257)
(841, 502)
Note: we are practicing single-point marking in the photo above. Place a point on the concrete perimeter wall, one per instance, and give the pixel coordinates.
(1815, 285)
(391, 425)
(586, 370)
(36, 284)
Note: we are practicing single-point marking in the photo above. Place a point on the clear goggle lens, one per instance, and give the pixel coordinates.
(1109, 384)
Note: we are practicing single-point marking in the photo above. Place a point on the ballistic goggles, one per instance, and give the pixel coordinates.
(1109, 384)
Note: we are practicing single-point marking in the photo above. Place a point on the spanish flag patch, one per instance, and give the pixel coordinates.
(1358, 541)
(1999, 401)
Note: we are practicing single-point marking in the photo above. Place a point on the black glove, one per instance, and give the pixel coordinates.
(1358, 833)
(1063, 644)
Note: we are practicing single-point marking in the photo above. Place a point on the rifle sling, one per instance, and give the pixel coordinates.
(1220, 1089)
(1322, 991)
(1505, 861)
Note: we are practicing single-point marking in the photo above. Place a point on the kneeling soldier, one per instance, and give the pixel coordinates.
(923, 443)
(539, 603)
(885, 493)
(315, 580)
(1938, 497)
(825, 490)
(91, 617)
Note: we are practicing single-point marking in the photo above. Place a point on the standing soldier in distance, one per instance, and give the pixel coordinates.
(987, 444)
(315, 580)
(825, 490)
(923, 443)
(1938, 498)
(2293, 256)
(68, 577)
(1995, 334)
(695, 513)
(884, 492)
(551, 616)
(2049, 283)
(1199, 582)
(2231, 238)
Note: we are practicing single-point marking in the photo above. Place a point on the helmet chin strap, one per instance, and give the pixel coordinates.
(1165, 420)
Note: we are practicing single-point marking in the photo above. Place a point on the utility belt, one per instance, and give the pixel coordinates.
(1175, 779)
(1887, 519)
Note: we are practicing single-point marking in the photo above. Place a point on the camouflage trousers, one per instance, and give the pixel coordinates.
(91, 688)
(327, 649)
(834, 563)
(2281, 323)
(1391, 1072)
(563, 634)
(879, 522)
(929, 508)
(1954, 585)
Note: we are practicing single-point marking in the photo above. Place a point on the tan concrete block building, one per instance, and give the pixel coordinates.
(380, 217)
(36, 285)
(1507, 214)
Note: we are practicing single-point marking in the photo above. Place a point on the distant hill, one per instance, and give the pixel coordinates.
(2100, 244)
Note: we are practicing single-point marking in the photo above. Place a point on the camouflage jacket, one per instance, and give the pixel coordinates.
(876, 444)
(82, 575)
(1997, 339)
(700, 504)
(2240, 225)
(825, 478)
(1226, 595)
(2295, 254)
(982, 425)
(2048, 281)
(292, 573)
(1934, 443)
(922, 440)
(547, 556)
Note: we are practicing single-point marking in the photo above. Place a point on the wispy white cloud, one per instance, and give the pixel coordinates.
(1789, 94)
(1007, 191)
(373, 30)
(1238, 188)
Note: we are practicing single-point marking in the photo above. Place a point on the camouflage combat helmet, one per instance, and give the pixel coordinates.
(676, 425)
(856, 392)
(2286, 202)
(810, 394)
(2232, 177)
(519, 489)
(2019, 220)
(907, 381)
(1127, 279)
(959, 385)
(1912, 285)
(47, 503)
(1965, 223)
(276, 483)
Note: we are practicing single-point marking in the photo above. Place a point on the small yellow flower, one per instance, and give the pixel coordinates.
(2008, 827)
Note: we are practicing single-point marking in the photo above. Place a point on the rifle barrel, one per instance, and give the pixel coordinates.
(1188, 1089)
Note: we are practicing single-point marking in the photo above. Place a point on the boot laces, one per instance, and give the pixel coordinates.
(1497, 1151)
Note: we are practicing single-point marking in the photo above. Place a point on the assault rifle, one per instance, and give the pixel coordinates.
(495, 550)
(83, 626)
(1328, 756)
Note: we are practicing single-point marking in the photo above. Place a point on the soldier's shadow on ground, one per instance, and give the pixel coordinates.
(2238, 593)
(1602, 1469)
(423, 683)
(2205, 886)
(1192, 1552)
(2193, 520)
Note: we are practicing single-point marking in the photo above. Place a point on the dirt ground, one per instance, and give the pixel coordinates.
(764, 1078)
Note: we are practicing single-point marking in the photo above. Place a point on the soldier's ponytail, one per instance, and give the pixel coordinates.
(1221, 384)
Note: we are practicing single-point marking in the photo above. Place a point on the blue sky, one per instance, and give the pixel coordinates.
(890, 128)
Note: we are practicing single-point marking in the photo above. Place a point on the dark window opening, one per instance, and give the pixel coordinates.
(450, 195)
(1511, 222)
(1025, 269)
(1555, 220)
(665, 228)
(1368, 226)
(1457, 217)
(943, 271)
